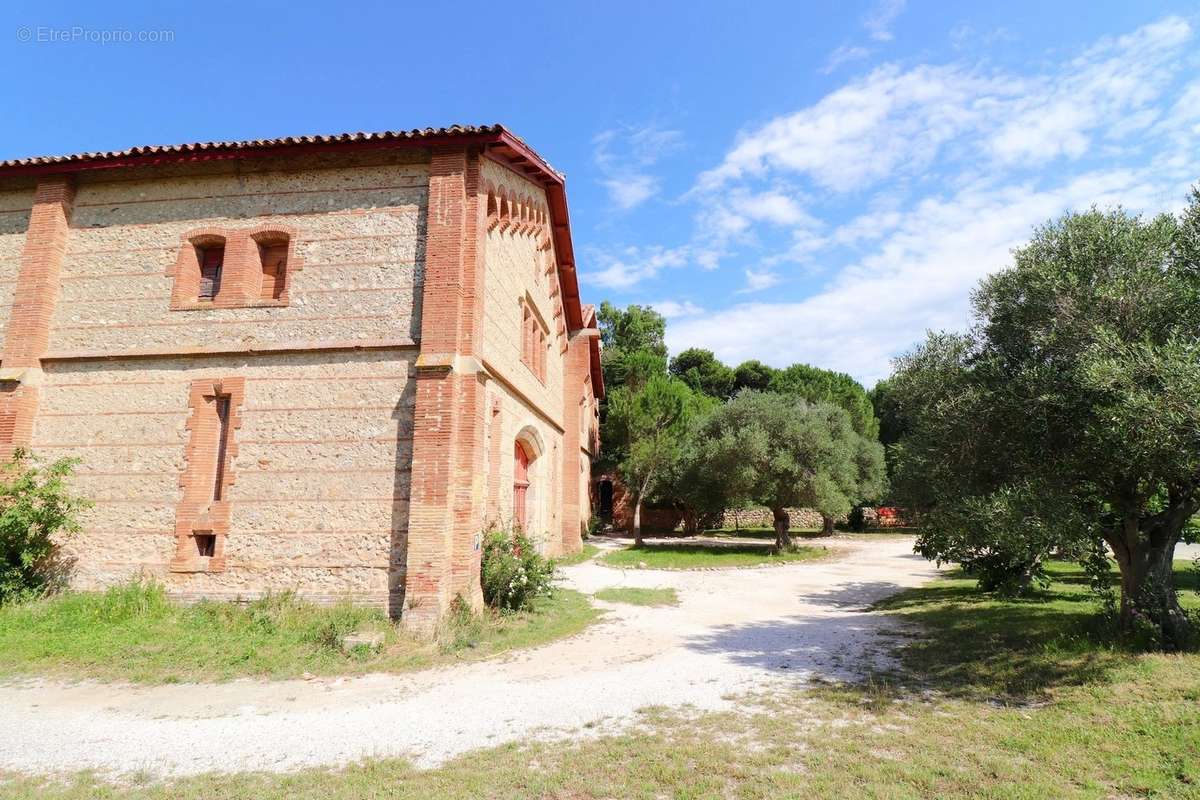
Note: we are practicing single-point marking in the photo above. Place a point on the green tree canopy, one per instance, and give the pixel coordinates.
(752, 374)
(818, 385)
(628, 331)
(648, 425)
(1068, 417)
(891, 422)
(782, 451)
(701, 370)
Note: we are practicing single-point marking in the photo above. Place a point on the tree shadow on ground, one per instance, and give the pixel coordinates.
(843, 647)
(956, 640)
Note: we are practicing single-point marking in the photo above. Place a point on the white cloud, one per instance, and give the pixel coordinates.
(674, 309)
(918, 277)
(864, 131)
(631, 190)
(880, 206)
(624, 154)
(633, 265)
(844, 55)
(757, 280)
(898, 122)
(1108, 87)
(772, 206)
(879, 19)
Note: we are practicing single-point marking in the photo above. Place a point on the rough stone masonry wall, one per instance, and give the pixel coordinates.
(14, 220)
(320, 495)
(359, 238)
(515, 270)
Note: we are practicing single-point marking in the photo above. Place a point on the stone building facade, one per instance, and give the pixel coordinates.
(323, 364)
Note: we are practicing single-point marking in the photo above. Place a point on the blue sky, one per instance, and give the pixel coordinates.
(816, 182)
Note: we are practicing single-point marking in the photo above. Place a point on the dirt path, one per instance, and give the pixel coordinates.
(734, 631)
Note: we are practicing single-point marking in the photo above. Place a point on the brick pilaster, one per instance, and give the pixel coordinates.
(446, 506)
(34, 300)
(575, 507)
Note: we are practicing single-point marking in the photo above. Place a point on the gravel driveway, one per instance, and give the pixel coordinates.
(734, 631)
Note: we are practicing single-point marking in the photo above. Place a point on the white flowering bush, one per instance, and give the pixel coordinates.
(513, 571)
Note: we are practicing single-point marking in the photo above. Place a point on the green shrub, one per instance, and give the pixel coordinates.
(35, 506)
(513, 571)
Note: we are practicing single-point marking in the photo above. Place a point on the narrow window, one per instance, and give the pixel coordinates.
(274, 269)
(211, 260)
(222, 443)
(206, 544)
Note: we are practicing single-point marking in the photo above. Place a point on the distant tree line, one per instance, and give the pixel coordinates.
(695, 433)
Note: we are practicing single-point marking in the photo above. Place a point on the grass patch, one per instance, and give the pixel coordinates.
(697, 556)
(983, 646)
(762, 533)
(135, 633)
(634, 596)
(1131, 729)
(588, 552)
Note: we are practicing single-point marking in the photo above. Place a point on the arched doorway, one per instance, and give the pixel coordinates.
(520, 485)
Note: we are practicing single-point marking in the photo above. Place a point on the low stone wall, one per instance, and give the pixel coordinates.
(762, 517)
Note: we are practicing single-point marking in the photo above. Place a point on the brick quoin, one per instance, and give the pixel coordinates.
(34, 301)
(447, 495)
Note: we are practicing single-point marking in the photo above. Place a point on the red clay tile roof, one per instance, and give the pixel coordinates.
(197, 147)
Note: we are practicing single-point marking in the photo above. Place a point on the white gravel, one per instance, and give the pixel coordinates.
(734, 631)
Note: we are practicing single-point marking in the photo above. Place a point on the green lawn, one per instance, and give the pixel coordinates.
(698, 555)
(134, 633)
(995, 699)
(761, 533)
(639, 597)
(586, 554)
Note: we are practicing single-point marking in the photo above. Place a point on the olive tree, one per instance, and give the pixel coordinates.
(1067, 419)
(817, 385)
(782, 451)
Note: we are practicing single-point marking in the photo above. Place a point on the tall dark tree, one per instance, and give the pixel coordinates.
(625, 332)
(649, 424)
(752, 374)
(891, 422)
(818, 385)
(1068, 417)
(702, 371)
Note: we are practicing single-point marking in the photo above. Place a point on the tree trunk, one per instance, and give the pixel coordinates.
(691, 522)
(783, 541)
(637, 520)
(1146, 561)
(826, 525)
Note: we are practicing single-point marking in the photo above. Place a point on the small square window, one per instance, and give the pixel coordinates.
(206, 544)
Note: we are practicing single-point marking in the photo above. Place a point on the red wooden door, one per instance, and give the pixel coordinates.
(520, 484)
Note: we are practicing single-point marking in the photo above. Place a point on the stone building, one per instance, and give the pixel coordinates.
(322, 363)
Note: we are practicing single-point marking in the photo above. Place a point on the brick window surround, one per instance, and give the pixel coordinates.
(202, 515)
(257, 267)
(533, 341)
